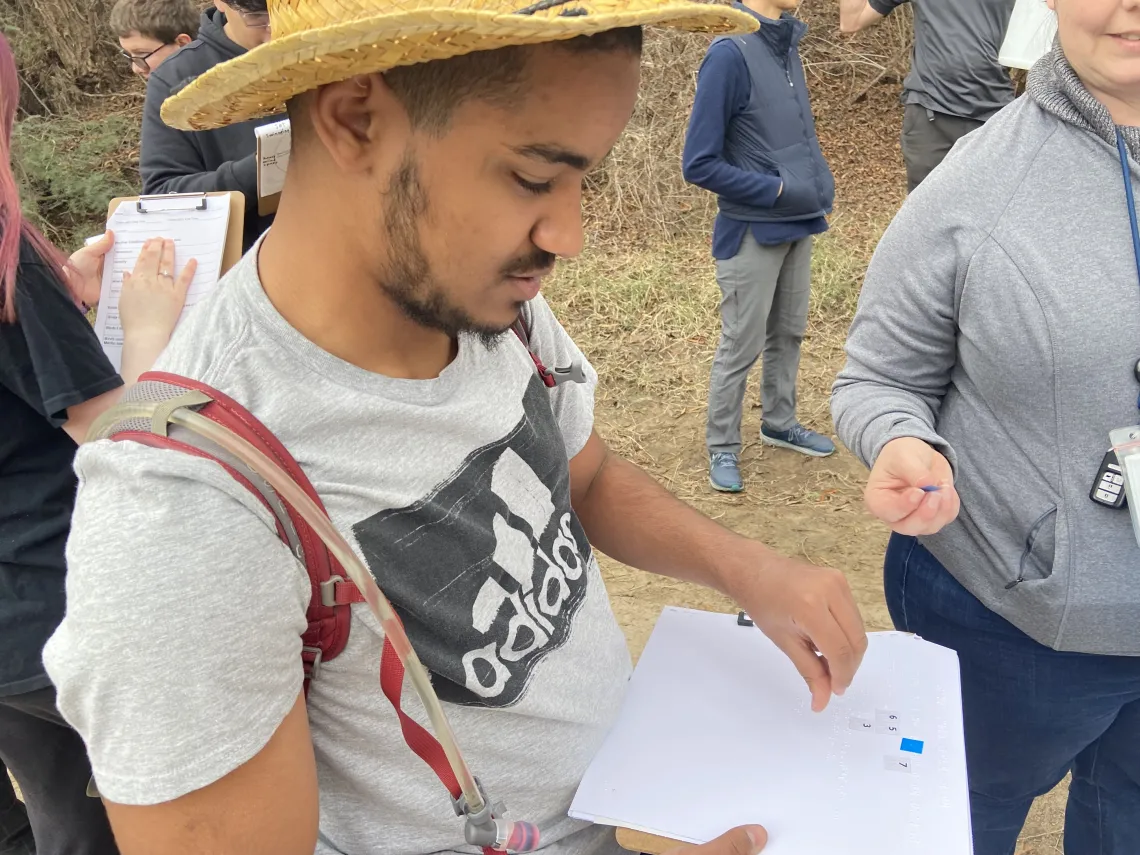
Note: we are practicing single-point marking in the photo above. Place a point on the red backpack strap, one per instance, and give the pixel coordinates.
(332, 593)
(573, 374)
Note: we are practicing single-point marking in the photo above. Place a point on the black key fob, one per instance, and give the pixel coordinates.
(1108, 488)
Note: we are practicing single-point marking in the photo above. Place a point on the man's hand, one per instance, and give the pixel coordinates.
(746, 840)
(807, 611)
(895, 491)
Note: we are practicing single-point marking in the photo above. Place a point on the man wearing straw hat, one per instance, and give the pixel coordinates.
(436, 176)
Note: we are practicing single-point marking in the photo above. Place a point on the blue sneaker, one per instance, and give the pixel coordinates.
(724, 472)
(798, 438)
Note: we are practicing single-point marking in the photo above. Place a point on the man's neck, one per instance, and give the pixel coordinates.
(764, 8)
(313, 276)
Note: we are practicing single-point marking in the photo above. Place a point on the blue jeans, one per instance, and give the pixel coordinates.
(1032, 714)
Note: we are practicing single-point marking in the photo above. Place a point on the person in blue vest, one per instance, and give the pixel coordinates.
(752, 142)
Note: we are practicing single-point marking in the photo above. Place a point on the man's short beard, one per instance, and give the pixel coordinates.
(407, 279)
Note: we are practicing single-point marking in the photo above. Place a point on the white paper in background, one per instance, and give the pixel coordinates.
(274, 142)
(196, 234)
(1032, 27)
(717, 731)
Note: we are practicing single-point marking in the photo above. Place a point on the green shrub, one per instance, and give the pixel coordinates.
(68, 170)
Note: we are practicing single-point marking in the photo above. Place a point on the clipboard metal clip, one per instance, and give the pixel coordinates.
(143, 201)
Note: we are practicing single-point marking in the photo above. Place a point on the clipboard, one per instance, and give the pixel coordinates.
(647, 844)
(651, 844)
(709, 690)
(232, 252)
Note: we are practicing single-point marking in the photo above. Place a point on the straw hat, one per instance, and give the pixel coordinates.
(323, 41)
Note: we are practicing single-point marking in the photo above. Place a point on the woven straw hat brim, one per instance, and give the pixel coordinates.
(260, 82)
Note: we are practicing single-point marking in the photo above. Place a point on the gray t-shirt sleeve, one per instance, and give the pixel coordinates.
(179, 655)
(573, 403)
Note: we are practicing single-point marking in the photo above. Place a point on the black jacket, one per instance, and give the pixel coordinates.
(173, 161)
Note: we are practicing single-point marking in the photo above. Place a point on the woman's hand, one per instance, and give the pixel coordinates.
(911, 488)
(85, 268)
(152, 296)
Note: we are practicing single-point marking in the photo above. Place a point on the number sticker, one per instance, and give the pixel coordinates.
(895, 763)
(864, 725)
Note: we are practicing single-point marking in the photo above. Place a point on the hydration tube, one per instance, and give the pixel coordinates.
(484, 827)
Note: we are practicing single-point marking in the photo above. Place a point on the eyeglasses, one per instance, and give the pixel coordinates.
(255, 20)
(140, 62)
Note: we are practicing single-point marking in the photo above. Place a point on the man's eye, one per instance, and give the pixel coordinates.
(531, 187)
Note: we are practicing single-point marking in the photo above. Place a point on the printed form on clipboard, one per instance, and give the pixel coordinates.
(198, 223)
(717, 732)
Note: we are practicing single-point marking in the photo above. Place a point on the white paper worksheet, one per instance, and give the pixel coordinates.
(197, 234)
(717, 731)
(274, 142)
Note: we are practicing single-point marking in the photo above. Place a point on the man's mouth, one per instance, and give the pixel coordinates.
(530, 282)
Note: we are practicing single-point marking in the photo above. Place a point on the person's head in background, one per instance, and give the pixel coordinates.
(149, 31)
(1101, 40)
(13, 226)
(247, 21)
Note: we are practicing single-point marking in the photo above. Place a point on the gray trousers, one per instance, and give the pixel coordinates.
(927, 138)
(763, 310)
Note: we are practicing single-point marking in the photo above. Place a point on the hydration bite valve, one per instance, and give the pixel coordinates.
(487, 828)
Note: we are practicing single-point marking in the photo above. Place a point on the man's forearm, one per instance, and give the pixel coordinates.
(854, 15)
(633, 519)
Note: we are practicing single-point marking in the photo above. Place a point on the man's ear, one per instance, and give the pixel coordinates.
(182, 39)
(354, 118)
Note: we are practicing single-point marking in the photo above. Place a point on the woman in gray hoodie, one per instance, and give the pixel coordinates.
(994, 348)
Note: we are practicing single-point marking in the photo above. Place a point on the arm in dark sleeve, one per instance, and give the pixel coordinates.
(170, 162)
(50, 357)
(885, 7)
(723, 90)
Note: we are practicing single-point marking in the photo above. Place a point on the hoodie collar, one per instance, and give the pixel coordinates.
(1055, 86)
(212, 30)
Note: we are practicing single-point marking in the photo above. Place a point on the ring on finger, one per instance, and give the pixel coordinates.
(165, 273)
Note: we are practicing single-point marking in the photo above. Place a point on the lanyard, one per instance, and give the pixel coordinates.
(1127, 170)
(1122, 150)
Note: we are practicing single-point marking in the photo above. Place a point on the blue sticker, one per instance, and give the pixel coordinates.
(914, 746)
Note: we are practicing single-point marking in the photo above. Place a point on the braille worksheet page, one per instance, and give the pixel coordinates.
(717, 731)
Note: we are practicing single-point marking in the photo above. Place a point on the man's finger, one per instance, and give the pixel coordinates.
(745, 840)
(840, 655)
(847, 615)
(811, 667)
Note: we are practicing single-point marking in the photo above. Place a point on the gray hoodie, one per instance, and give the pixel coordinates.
(1000, 321)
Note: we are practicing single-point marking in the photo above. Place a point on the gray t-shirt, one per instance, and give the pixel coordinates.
(955, 67)
(180, 652)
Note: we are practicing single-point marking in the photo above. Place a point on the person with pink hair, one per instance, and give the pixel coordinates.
(54, 382)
